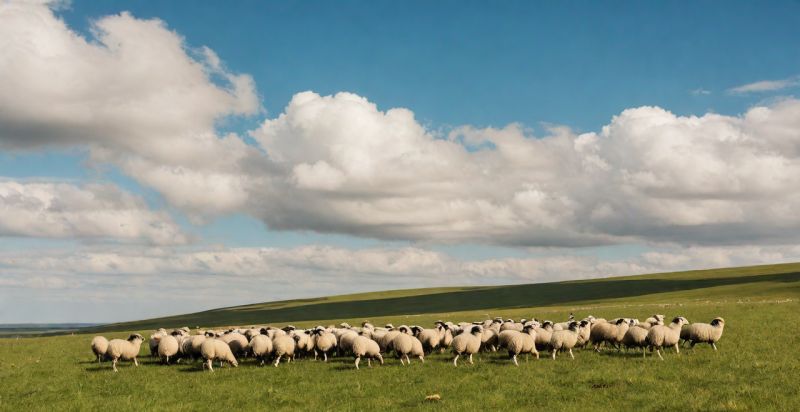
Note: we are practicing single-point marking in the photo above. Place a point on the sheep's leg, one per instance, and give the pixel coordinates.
(470, 359)
(455, 360)
(553, 354)
(422, 358)
(135, 362)
(358, 359)
(514, 359)
(369, 362)
(677, 349)
(571, 355)
(325, 356)
(277, 360)
(114, 364)
(714, 345)
(658, 351)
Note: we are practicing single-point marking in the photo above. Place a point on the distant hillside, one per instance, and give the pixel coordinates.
(750, 281)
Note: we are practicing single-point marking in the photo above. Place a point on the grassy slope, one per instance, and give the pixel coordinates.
(439, 300)
(752, 370)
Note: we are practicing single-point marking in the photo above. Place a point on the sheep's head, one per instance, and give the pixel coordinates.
(289, 328)
(415, 330)
(389, 326)
(718, 322)
(134, 337)
(659, 318)
(404, 329)
(476, 330)
(620, 321)
(573, 326)
(680, 321)
(548, 324)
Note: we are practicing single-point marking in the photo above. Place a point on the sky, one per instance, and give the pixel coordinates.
(160, 158)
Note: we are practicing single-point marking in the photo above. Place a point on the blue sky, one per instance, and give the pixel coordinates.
(655, 190)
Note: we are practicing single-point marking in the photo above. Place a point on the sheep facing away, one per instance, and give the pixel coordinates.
(260, 347)
(364, 347)
(519, 342)
(405, 344)
(99, 347)
(468, 342)
(704, 332)
(660, 336)
(119, 349)
(284, 346)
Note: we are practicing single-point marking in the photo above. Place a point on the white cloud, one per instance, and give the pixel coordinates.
(91, 211)
(766, 86)
(700, 92)
(142, 282)
(140, 99)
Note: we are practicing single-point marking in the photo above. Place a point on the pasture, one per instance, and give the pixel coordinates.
(756, 367)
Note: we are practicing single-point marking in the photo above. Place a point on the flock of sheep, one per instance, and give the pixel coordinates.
(371, 343)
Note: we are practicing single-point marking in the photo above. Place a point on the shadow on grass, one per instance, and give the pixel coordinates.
(506, 297)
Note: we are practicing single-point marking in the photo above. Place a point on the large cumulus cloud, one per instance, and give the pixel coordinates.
(136, 96)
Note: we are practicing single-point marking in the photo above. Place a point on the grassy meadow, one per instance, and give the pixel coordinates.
(756, 367)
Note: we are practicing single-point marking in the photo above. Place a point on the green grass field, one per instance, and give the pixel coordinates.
(756, 367)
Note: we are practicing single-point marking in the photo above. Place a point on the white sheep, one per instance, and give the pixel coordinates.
(168, 347)
(154, 339)
(364, 347)
(215, 349)
(404, 345)
(237, 342)
(566, 339)
(324, 342)
(704, 332)
(99, 347)
(661, 336)
(636, 336)
(609, 332)
(519, 342)
(467, 343)
(260, 347)
(430, 338)
(543, 335)
(119, 349)
(283, 346)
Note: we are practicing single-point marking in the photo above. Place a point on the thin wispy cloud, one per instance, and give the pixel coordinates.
(766, 86)
(700, 92)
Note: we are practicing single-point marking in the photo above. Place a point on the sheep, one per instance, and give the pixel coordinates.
(584, 334)
(237, 343)
(509, 324)
(430, 338)
(519, 342)
(124, 349)
(154, 339)
(566, 339)
(543, 335)
(467, 343)
(168, 347)
(216, 349)
(405, 344)
(346, 340)
(192, 344)
(324, 342)
(260, 347)
(564, 325)
(610, 332)
(704, 332)
(636, 336)
(99, 347)
(283, 345)
(653, 321)
(661, 336)
(364, 347)
(489, 339)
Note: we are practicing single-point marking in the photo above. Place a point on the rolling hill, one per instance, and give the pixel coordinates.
(698, 284)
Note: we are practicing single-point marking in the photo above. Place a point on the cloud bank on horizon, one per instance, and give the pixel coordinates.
(698, 191)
